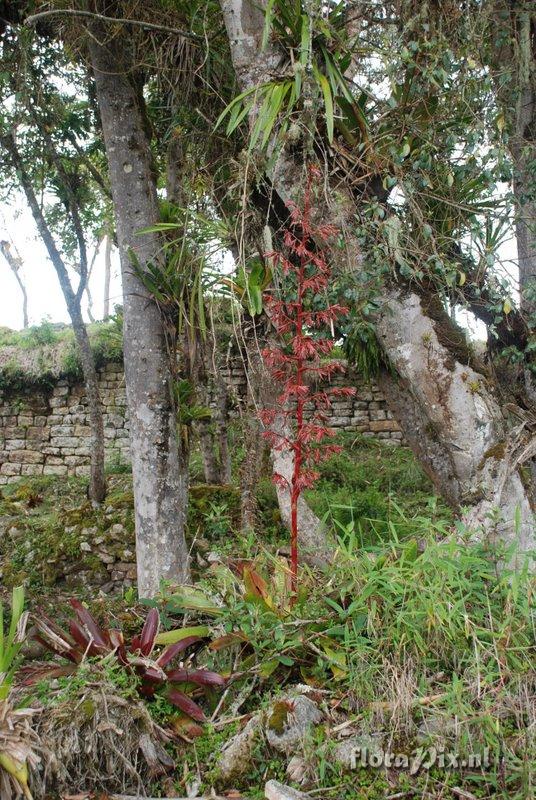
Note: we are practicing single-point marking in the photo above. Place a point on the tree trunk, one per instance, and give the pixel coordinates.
(468, 449)
(160, 488)
(510, 50)
(97, 483)
(452, 421)
(107, 276)
(15, 263)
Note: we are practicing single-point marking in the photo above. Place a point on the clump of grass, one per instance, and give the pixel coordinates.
(371, 486)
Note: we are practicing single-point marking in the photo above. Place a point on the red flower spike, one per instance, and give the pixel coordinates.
(300, 355)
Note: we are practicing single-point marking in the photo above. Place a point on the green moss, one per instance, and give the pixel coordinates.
(278, 717)
(451, 336)
(497, 451)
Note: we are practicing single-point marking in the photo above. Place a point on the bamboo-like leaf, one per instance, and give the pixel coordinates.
(263, 114)
(328, 101)
(238, 99)
(276, 105)
(268, 19)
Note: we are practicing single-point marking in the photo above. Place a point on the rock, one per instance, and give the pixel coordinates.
(289, 720)
(297, 770)
(85, 547)
(235, 758)
(348, 753)
(117, 530)
(274, 790)
(107, 587)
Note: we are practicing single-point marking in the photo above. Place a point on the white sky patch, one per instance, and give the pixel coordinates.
(45, 298)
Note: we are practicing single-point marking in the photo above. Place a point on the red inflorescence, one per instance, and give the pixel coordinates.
(301, 355)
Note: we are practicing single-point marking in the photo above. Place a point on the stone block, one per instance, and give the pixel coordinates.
(54, 469)
(56, 402)
(31, 469)
(383, 425)
(54, 460)
(82, 430)
(83, 470)
(62, 430)
(377, 414)
(74, 461)
(15, 444)
(10, 469)
(27, 456)
(37, 434)
(11, 432)
(65, 441)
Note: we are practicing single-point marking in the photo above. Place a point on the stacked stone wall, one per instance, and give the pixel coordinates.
(47, 433)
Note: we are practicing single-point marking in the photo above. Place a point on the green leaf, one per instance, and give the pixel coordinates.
(194, 600)
(286, 660)
(274, 109)
(238, 99)
(328, 101)
(305, 40)
(268, 19)
(177, 635)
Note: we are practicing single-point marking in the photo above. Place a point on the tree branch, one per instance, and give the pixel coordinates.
(75, 12)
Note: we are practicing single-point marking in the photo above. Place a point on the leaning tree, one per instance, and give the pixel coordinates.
(401, 123)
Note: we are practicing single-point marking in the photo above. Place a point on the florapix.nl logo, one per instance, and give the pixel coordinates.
(420, 759)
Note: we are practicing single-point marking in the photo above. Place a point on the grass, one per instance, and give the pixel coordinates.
(41, 354)
(413, 634)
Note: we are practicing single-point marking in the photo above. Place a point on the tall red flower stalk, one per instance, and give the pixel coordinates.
(300, 318)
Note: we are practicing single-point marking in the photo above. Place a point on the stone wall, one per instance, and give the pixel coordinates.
(47, 433)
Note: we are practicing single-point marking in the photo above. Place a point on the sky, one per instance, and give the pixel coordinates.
(45, 299)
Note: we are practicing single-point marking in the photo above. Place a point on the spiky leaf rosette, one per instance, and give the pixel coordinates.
(86, 638)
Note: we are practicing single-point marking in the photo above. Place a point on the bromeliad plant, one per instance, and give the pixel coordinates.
(155, 673)
(299, 318)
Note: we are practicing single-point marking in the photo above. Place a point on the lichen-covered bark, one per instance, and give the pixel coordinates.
(453, 421)
(159, 482)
